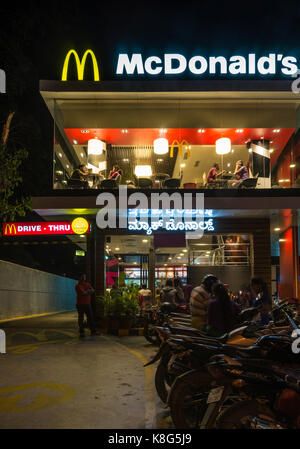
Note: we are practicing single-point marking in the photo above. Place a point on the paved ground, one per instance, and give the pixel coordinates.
(49, 379)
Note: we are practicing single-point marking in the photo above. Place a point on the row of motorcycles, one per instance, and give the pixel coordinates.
(246, 379)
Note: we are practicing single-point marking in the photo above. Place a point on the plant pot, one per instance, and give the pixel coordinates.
(125, 323)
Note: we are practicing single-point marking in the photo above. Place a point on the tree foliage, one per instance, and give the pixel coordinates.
(12, 201)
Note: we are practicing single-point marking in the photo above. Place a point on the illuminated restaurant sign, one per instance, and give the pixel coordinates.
(77, 226)
(175, 64)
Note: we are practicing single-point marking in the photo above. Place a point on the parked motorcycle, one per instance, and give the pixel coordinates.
(197, 397)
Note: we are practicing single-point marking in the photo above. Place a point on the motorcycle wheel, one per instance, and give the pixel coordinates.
(150, 334)
(163, 380)
(187, 399)
(242, 414)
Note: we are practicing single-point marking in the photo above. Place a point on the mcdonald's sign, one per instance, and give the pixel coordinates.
(9, 229)
(80, 65)
(77, 226)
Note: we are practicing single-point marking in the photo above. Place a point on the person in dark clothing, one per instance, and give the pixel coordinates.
(222, 311)
(79, 177)
(187, 290)
(83, 305)
(169, 294)
(262, 298)
(179, 291)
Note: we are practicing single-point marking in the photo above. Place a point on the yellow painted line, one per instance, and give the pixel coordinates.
(150, 397)
(13, 402)
(33, 316)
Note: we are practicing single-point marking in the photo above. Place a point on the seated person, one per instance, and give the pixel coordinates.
(113, 174)
(213, 173)
(79, 175)
(241, 173)
(222, 314)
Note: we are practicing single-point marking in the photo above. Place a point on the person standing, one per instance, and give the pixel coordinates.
(187, 290)
(145, 297)
(200, 298)
(83, 305)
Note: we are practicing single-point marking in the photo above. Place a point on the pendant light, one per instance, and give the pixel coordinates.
(223, 145)
(161, 146)
(95, 146)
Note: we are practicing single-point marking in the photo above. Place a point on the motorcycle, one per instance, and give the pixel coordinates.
(197, 397)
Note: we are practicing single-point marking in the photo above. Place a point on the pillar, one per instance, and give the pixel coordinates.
(289, 263)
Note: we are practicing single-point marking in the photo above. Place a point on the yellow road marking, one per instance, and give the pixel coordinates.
(150, 397)
(32, 316)
(10, 402)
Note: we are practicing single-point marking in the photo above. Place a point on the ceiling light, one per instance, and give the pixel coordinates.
(184, 250)
(143, 170)
(292, 165)
(84, 131)
(271, 150)
(124, 131)
(82, 236)
(125, 160)
(239, 130)
(160, 160)
(161, 146)
(145, 241)
(169, 258)
(201, 130)
(182, 165)
(281, 240)
(67, 166)
(223, 145)
(163, 130)
(117, 249)
(95, 146)
(276, 130)
(59, 154)
(277, 229)
(75, 142)
(81, 154)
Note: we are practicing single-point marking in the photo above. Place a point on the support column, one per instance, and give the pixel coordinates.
(151, 272)
(100, 271)
(289, 263)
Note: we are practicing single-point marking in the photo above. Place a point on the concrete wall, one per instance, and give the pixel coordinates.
(24, 291)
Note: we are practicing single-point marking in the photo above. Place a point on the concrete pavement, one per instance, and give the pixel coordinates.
(50, 379)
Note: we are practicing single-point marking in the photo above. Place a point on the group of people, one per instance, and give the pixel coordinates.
(212, 308)
(240, 174)
(84, 177)
(214, 311)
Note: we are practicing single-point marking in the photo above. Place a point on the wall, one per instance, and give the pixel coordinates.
(24, 291)
(236, 277)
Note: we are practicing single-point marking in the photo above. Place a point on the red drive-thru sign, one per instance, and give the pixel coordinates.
(77, 226)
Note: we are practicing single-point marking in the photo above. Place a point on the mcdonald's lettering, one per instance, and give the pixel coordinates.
(80, 65)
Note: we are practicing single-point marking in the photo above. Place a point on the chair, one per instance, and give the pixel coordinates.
(77, 184)
(161, 177)
(108, 184)
(249, 183)
(144, 183)
(172, 183)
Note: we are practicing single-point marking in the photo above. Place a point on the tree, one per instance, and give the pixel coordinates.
(12, 201)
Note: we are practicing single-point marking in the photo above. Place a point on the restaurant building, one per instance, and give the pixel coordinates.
(163, 136)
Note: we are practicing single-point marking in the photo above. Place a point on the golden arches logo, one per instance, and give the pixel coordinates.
(80, 65)
(179, 145)
(10, 229)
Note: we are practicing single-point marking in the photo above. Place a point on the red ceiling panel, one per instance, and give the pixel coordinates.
(146, 136)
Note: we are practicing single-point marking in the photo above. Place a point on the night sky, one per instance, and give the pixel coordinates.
(44, 33)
